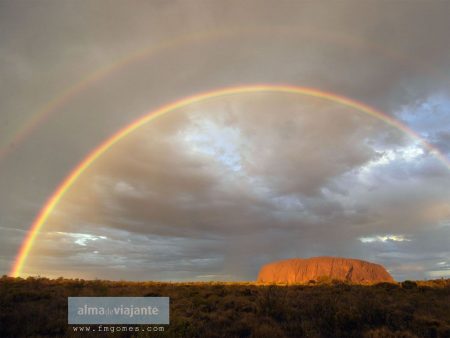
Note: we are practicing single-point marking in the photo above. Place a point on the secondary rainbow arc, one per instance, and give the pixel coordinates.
(95, 154)
(83, 84)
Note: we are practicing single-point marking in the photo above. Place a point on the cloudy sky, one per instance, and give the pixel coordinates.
(215, 189)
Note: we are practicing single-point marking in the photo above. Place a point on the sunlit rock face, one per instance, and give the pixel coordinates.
(298, 270)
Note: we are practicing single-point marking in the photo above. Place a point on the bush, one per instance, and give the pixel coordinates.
(37, 307)
(407, 284)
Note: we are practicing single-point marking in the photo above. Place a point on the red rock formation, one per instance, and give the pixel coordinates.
(298, 270)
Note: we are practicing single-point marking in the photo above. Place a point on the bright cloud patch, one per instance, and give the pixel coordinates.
(384, 238)
(81, 239)
(409, 153)
(218, 142)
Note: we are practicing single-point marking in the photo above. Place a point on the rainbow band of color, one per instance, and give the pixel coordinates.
(106, 145)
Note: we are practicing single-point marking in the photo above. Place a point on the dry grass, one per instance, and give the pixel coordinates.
(37, 307)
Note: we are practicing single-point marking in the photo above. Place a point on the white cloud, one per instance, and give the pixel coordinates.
(220, 143)
(386, 157)
(384, 238)
(81, 239)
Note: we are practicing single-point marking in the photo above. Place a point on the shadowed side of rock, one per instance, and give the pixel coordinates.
(297, 270)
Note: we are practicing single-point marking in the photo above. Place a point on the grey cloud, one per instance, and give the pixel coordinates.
(296, 187)
(159, 183)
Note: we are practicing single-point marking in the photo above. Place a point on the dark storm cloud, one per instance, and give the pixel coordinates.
(285, 186)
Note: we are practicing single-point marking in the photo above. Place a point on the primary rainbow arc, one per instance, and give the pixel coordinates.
(95, 154)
